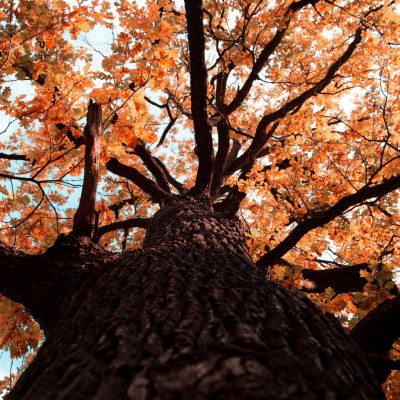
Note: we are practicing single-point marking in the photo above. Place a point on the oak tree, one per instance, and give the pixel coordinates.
(208, 208)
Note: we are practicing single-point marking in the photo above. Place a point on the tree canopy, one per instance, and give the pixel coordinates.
(287, 112)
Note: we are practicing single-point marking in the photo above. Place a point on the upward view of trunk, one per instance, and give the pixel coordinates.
(189, 317)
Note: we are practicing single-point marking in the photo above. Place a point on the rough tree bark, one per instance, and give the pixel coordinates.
(187, 317)
(190, 316)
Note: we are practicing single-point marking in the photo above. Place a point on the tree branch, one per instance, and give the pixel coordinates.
(151, 164)
(264, 56)
(341, 280)
(322, 218)
(38, 281)
(84, 218)
(262, 136)
(251, 153)
(176, 184)
(171, 123)
(221, 157)
(126, 224)
(131, 173)
(376, 333)
(222, 80)
(231, 203)
(19, 157)
(198, 92)
(76, 141)
(120, 204)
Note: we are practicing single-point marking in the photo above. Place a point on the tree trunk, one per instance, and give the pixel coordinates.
(191, 317)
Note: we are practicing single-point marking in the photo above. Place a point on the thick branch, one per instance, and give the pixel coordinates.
(221, 157)
(13, 282)
(84, 218)
(262, 136)
(341, 280)
(37, 281)
(376, 333)
(152, 165)
(222, 80)
(176, 184)
(231, 203)
(18, 157)
(126, 224)
(131, 173)
(198, 92)
(233, 153)
(322, 218)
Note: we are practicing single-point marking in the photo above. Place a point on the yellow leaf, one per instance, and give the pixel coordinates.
(49, 43)
(279, 272)
(84, 26)
(329, 293)
(366, 275)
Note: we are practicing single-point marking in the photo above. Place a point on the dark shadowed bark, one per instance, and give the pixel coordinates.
(376, 333)
(190, 317)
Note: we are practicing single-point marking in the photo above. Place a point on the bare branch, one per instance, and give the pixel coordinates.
(171, 123)
(221, 157)
(18, 157)
(131, 173)
(151, 164)
(126, 224)
(84, 218)
(176, 184)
